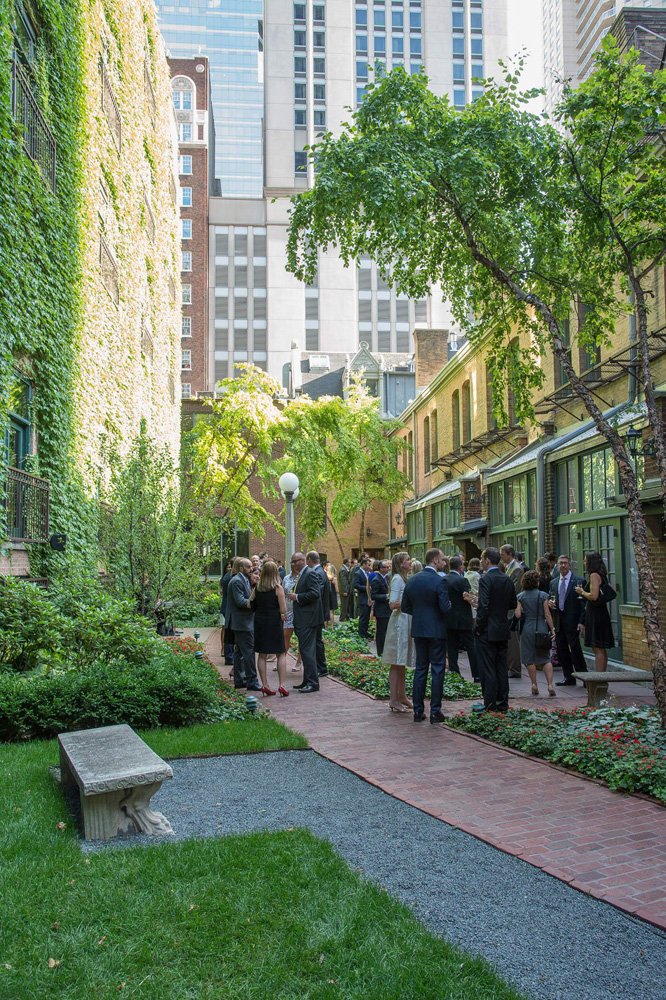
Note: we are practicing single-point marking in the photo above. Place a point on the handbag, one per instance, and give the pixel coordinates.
(542, 640)
(606, 593)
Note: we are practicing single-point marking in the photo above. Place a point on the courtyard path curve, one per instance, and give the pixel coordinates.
(610, 845)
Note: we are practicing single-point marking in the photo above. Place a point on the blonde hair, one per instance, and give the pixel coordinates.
(270, 576)
(331, 571)
(397, 563)
(416, 566)
(236, 564)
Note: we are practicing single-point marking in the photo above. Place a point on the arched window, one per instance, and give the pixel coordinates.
(455, 419)
(410, 456)
(426, 445)
(434, 443)
(184, 93)
(467, 412)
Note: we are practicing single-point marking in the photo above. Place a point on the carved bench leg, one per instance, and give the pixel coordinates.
(101, 815)
(597, 691)
(137, 814)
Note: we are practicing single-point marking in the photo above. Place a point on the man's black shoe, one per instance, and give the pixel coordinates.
(322, 673)
(569, 682)
(437, 717)
(297, 687)
(254, 687)
(239, 687)
(419, 716)
(514, 675)
(308, 689)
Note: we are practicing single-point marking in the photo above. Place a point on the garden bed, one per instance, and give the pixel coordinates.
(348, 657)
(624, 747)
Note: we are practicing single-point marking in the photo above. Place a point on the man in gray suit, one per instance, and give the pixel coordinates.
(308, 620)
(241, 620)
(514, 570)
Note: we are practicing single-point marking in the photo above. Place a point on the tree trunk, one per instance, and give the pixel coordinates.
(361, 536)
(337, 537)
(647, 381)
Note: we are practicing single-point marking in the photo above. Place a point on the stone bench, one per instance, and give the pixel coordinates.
(597, 681)
(116, 774)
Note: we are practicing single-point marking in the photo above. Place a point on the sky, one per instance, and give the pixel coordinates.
(525, 32)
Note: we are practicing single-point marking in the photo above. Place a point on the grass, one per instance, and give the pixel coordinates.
(265, 916)
(250, 736)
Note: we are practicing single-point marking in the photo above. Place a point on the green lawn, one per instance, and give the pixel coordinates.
(273, 916)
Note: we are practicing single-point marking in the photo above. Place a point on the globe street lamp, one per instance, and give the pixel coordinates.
(289, 490)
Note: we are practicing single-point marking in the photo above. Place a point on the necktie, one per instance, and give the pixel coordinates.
(563, 592)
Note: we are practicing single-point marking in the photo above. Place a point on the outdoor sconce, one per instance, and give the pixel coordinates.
(398, 518)
(368, 532)
(251, 703)
(471, 493)
(634, 439)
(196, 635)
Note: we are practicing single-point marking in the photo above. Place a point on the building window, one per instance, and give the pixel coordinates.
(361, 18)
(185, 132)
(300, 162)
(186, 361)
(380, 45)
(319, 67)
(300, 118)
(467, 412)
(320, 119)
(186, 229)
(477, 46)
(299, 12)
(186, 295)
(186, 260)
(415, 20)
(380, 19)
(434, 450)
(455, 419)
(319, 92)
(476, 21)
(300, 92)
(185, 390)
(182, 100)
(186, 326)
(426, 445)
(459, 73)
(361, 45)
(318, 13)
(415, 47)
(186, 197)
(185, 164)
(319, 39)
(361, 70)
(477, 70)
(458, 46)
(398, 45)
(459, 98)
(397, 20)
(299, 65)
(299, 39)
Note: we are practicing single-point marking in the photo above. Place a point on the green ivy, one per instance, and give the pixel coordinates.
(40, 241)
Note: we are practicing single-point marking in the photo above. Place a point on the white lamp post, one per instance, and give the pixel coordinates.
(289, 489)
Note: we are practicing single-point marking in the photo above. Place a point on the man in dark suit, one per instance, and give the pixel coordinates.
(460, 622)
(379, 594)
(426, 599)
(569, 620)
(308, 617)
(242, 622)
(497, 597)
(362, 591)
(343, 588)
(514, 569)
(313, 561)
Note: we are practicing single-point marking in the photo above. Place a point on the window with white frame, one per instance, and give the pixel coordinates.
(185, 390)
(186, 291)
(185, 131)
(186, 197)
(185, 164)
(186, 361)
(186, 260)
(186, 326)
(182, 100)
(186, 229)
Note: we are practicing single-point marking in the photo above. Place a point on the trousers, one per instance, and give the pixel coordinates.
(462, 638)
(245, 672)
(363, 619)
(570, 653)
(430, 654)
(492, 659)
(320, 652)
(307, 643)
(381, 624)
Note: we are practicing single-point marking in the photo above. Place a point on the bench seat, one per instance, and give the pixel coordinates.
(116, 774)
(597, 681)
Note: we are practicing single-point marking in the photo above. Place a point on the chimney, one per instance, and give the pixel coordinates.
(431, 354)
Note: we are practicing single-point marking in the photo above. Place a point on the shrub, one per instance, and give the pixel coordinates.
(202, 611)
(171, 690)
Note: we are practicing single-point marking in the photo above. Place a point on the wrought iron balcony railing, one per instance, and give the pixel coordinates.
(38, 140)
(26, 507)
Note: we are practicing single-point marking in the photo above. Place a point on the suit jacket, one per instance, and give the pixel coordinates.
(379, 592)
(361, 586)
(241, 618)
(308, 609)
(224, 591)
(574, 609)
(460, 616)
(426, 599)
(343, 580)
(325, 589)
(497, 597)
(516, 575)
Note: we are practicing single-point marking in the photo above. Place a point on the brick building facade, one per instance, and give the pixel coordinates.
(190, 85)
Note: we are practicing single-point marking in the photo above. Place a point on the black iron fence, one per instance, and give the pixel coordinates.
(26, 507)
(38, 140)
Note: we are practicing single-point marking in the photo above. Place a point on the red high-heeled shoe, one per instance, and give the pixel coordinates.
(283, 692)
(266, 691)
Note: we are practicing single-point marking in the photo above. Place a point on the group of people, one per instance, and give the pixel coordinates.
(501, 614)
(262, 608)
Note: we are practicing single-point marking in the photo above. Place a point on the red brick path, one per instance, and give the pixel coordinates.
(610, 845)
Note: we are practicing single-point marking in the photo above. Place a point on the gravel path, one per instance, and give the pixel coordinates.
(552, 942)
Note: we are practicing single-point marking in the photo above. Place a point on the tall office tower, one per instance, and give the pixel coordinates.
(319, 55)
(190, 89)
(573, 31)
(229, 32)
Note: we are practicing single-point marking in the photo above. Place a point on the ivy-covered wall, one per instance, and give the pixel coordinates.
(94, 325)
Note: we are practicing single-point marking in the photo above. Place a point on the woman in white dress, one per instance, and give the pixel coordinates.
(398, 647)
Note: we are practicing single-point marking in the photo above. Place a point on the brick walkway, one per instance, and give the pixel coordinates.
(609, 845)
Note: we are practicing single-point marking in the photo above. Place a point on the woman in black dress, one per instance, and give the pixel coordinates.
(270, 610)
(598, 628)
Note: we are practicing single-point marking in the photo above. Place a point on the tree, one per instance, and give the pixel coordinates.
(341, 446)
(515, 221)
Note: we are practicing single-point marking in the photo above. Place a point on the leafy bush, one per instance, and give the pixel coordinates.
(173, 689)
(348, 657)
(625, 747)
(202, 611)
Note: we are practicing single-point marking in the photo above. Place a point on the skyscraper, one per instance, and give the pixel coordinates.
(315, 58)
